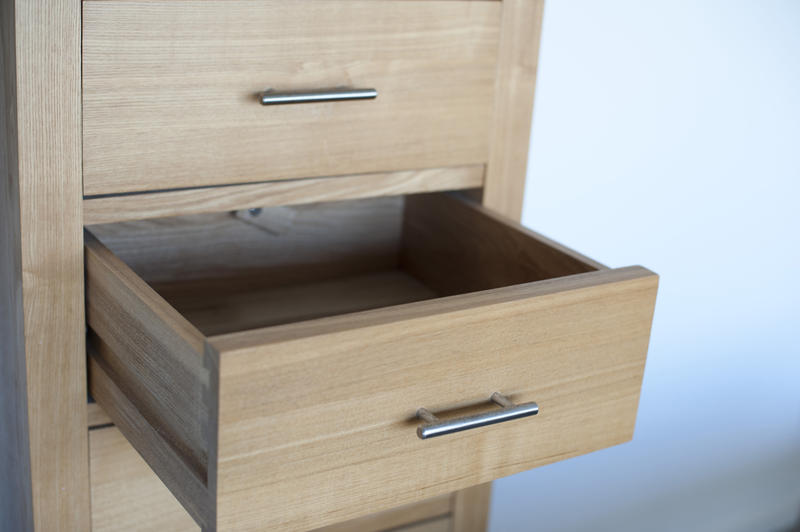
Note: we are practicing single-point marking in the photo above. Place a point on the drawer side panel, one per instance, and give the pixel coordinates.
(455, 246)
(158, 452)
(151, 356)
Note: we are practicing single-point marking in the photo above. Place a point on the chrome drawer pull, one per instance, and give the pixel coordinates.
(433, 426)
(270, 97)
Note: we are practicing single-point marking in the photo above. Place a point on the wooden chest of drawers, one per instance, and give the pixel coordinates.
(297, 315)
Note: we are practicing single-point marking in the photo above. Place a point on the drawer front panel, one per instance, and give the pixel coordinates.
(170, 89)
(328, 415)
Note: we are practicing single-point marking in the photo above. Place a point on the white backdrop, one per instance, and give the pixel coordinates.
(667, 134)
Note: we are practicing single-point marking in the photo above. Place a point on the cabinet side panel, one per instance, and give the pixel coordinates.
(183, 76)
(48, 118)
(15, 478)
(513, 106)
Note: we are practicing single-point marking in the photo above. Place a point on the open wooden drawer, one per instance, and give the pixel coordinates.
(269, 365)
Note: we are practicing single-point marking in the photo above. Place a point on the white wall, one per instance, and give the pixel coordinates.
(667, 134)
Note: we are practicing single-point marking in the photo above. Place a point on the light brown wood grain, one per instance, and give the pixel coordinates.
(457, 246)
(233, 272)
(97, 416)
(513, 106)
(170, 89)
(311, 423)
(60, 500)
(218, 311)
(435, 509)
(16, 505)
(576, 345)
(153, 445)
(126, 494)
(504, 186)
(442, 524)
(106, 209)
(470, 508)
(44, 483)
(277, 247)
(152, 353)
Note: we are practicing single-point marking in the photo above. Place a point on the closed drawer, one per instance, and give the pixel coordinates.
(127, 495)
(170, 89)
(269, 366)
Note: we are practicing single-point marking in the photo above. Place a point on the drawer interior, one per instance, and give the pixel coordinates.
(234, 271)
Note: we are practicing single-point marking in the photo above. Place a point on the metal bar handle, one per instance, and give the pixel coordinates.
(270, 97)
(434, 427)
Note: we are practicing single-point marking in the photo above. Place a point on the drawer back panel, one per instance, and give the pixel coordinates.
(291, 242)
